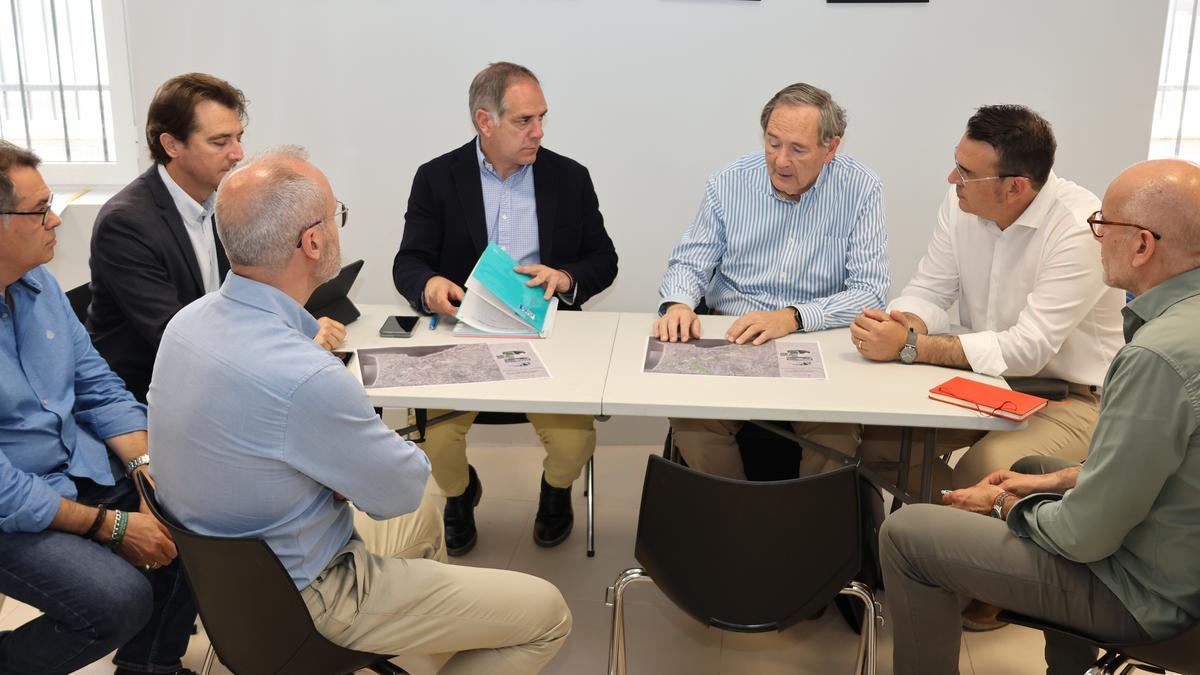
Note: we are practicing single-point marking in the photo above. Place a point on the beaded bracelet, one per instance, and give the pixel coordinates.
(101, 512)
(118, 534)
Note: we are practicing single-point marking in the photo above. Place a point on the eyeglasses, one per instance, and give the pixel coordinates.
(963, 180)
(44, 213)
(1097, 222)
(341, 211)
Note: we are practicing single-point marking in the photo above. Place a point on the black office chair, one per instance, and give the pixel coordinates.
(80, 297)
(1179, 654)
(696, 539)
(254, 616)
(422, 417)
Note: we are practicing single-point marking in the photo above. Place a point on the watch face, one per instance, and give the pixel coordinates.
(908, 354)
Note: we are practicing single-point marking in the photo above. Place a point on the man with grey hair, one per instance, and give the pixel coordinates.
(76, 541)
(265, 434)
(1108, 549)
(483, 193)
(790, 239)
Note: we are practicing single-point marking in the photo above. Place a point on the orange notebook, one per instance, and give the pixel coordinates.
(987, 399)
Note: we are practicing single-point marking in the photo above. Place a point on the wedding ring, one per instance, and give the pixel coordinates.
(860, 343)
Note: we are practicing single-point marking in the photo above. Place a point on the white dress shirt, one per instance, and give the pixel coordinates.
(1032, 296)
(197, 220)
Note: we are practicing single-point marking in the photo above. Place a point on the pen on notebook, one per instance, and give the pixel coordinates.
(433, 321)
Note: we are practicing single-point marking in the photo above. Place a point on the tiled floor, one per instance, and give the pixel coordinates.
(661, 639)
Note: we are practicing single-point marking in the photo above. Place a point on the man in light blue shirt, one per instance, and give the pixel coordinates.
(75, 541)
(266, 434)
(792, 239)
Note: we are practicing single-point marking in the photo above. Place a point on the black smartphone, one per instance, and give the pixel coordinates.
(398, 326)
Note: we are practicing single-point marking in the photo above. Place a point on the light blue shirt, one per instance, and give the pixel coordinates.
(59, 401)
(750, 249)
(510, 210)
(255, 427)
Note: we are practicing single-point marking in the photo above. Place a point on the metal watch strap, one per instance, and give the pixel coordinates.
(133, 464)
(998, 505)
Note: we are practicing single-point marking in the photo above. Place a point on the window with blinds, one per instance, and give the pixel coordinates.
(56, 96)
(1176, 130)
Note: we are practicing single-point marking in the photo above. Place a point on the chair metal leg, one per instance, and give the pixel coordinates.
(615, 597)
(591, 508)
(865, 663)
(208, 660)
(1108, 664)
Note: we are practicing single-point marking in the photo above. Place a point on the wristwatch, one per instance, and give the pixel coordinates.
(133, 464)
(908, 353)
(796, 315)
(998, 505)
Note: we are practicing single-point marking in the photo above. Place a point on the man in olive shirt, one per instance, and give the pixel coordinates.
(1069, 529)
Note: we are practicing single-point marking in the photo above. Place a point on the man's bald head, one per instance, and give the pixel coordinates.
(1163, 195)
(266, 204)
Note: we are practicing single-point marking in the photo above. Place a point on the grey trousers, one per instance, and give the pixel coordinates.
(932, 556)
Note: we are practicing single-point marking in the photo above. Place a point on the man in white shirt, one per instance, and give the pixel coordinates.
(1012, 247)
(154, 247)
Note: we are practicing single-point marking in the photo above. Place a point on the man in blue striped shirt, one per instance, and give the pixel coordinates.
(788, 240)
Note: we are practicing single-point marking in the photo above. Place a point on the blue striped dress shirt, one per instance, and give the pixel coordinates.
(750, 249)
(510, 210)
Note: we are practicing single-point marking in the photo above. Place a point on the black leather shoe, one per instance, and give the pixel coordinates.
(459, 516)
(555, 516)
(127, 671)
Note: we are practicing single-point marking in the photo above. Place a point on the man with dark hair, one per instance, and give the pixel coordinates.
(1108, 549)
(1012, 248)
(788, 239)
(75, 540)
(484, 193)
(154, 245)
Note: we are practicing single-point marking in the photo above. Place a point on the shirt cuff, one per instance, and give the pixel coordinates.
(38, 511)
(1021, 515)
(983, 353)
(114, 419)
(937, 322)
(811, 316)
(569, 298)
(682, 299)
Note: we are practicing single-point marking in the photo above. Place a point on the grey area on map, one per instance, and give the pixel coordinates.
(415, 366)
(711, 357)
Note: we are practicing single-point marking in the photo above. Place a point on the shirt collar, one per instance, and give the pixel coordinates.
(822, 178)
(1156, 301)
(25, 280)
(270, 299)
(1036, 213)
(487, 167)
(192, 211)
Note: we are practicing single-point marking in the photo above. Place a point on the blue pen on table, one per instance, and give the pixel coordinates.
(433, 321)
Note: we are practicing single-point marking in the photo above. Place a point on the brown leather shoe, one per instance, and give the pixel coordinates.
(980, 617)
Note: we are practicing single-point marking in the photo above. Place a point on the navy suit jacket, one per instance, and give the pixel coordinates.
(144, 270)
(445, 230)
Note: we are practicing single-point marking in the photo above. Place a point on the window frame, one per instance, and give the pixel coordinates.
(126, 134)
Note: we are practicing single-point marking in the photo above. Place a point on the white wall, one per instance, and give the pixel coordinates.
(653, 95)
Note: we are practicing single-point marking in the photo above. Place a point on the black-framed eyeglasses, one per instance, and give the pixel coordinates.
(44, 213)
(1097, 222)
(342, 211)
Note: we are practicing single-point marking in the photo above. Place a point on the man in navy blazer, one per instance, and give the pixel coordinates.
(154, 245)
(541, 208)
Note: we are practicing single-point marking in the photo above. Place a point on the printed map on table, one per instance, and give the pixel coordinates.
(450, 364)
(708, 356)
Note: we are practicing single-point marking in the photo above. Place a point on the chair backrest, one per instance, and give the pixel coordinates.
(1180, 654)
(80, 297)
(748, 556)
(252, 612)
